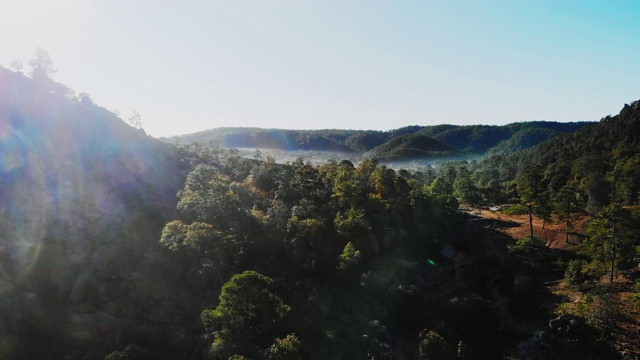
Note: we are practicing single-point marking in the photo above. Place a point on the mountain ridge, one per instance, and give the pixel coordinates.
(461, 140)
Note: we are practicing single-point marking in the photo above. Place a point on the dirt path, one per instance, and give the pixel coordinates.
(553, 233)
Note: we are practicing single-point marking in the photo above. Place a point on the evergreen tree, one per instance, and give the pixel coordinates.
(611, 236)
(530, 190)
(567, 205)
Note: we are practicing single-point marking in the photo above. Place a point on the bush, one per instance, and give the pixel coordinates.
(601, 312)
(574, 275)
(516, 209)
(634, 299)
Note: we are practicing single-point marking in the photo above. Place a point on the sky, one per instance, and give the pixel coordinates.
(187, 66)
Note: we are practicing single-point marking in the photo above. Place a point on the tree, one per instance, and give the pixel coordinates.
(85, 98)
(135, 119)
(611, 236)
(530, 189)
(41, 64)
(567, 204)
(247, 315)
(346, 188)
(284, 349)
(575, 275)
(353, 226)
(248, 304)
(349, 257)
(528, 246)
(209, 197)
(16, 65)
(464, 186)
(543, 207)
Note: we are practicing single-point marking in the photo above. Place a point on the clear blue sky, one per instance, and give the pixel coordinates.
(368, 64)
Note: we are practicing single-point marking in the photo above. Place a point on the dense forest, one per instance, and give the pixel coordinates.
(116, 245)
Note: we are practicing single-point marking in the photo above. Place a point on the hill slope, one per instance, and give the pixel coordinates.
(602, 159)
(452, 140)
(413, 146)
(84, 197)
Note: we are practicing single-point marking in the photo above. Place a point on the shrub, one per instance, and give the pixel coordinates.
(574, 275)
(516, 209)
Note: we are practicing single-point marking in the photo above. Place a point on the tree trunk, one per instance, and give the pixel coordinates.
(613, 262)
(531, 219)
(613, 252)
(566, 237)
(533, 250)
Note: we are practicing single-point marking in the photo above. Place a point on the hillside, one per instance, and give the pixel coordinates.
(84, 197)
(407, 143)
(413, 146)
(602, 159)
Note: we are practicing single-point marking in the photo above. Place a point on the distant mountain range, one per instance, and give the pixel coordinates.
(406, 143)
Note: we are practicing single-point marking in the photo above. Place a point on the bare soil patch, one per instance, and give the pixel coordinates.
(627, 340)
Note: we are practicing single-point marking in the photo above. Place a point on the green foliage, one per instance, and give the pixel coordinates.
(465, 188)
(194, 238)
(365, 141)
(174, 235)
(247, 315)
(237, 357)
(599, 160)
(612, 238)
(210, 198)
(516, 209)
(413, 146)
(247, 301)
(346, 188)
(602, 312)
(531, 190)
(575, 275)
(284, 349)
(528, 246)
(349, 257)
(524, 139)
(351, 225)
(568, 205)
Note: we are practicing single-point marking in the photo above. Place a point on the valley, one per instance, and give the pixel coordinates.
(116, 245)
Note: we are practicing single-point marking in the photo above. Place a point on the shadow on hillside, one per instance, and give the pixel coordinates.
(493, 223)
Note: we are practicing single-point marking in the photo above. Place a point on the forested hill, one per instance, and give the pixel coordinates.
(83, 199)
(404, 143)
(601, 160)
(47, 130)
